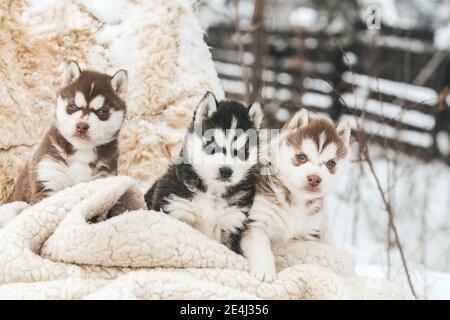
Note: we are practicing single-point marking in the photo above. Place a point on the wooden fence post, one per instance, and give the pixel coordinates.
(337, 109)
(259, 50)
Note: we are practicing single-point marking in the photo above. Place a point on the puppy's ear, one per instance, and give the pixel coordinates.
(256, 114)
(299, 120)
(71, 72)
(206, 107)
(343, 130)
(119, 82)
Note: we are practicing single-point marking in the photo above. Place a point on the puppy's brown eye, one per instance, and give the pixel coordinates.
(301, 157)
(102, 111)
(331, 164)
(73, 106)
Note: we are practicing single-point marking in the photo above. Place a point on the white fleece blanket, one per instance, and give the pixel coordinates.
(50, 251)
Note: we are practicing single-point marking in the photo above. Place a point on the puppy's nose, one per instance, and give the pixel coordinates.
(314, 180)
(82, 127)
(225, 172)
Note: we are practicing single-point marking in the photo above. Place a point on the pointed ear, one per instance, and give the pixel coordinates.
(206, 107)
(119, 82)
(71, 72)
(299, 120)
(344, 131)
(256, 114)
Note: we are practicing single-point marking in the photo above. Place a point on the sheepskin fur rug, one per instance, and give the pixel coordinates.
(159, 42)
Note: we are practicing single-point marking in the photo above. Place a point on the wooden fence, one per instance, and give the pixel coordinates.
(393, 85)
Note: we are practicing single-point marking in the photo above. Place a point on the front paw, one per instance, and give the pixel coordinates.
(266, 273)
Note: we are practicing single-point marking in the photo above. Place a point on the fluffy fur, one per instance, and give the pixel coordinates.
(306, 160)
(212, 184)
(81, 145)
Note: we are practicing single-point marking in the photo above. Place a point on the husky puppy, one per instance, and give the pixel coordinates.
(81, 145)
(212, 184)
(307, 158)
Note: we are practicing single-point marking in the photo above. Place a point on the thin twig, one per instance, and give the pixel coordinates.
(240, 43)
(364, 150)
(391, 217)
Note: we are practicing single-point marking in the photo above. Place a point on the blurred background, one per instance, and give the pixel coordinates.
(385, 67)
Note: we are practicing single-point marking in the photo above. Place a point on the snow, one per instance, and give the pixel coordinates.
(247, 57)
(35, 7)
(316, 99)
(420, 197)
(214, 12)
(407, 44)
(311, 43)
(283, 95)
(317, 84)
(190, 32)
(430, 284)
(399, 89)
(233, 86)
(442, 38)
(268, 75)
(388, 110)
(37, 13)
(229, 69)
(320, 67)
(284, 78)
(304, 17)
(337, 25)
(282, 114)
(269, 92)
(443, 142)
(416, 138)
(107, 11)
(350, 58)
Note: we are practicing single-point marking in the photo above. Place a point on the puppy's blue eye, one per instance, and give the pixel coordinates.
(244, 152)
(73, 106)
(211, 147)
(301, 157)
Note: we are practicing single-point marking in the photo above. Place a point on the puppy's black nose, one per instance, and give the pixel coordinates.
(82, 127)
(225, 172)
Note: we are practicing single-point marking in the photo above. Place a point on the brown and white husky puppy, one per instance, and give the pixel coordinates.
(306, 158)
(81, 145)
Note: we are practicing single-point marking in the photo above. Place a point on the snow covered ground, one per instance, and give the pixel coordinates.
(420, 194)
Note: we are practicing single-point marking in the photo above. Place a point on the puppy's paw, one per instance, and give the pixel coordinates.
(264, 273)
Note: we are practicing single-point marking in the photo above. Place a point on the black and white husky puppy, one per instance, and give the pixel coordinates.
(211, 185)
